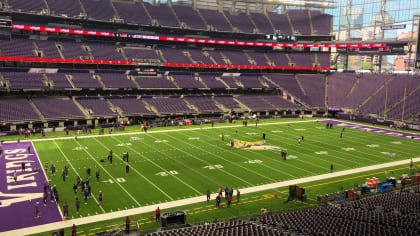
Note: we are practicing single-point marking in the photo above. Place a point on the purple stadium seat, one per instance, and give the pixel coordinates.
(16, 109)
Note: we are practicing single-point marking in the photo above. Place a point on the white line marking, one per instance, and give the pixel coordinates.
(160, 167)
(188, 201)
(45, 174)
(159, 131)
(108, 174)
(75, 171)
(208, 163)
(150, 182)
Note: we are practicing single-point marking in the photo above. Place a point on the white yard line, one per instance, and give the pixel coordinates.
(188, 201)
(160, 167)
(233, 163)
(112, 177)
(158, 131)
(131, 167)
(75, 171)
(281, 161)
(332, 150)
(45, 174)
(246, 158)
(207, 163)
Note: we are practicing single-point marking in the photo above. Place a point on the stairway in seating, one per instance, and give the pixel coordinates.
(238, 82)
(227, 20)
(402, 99)
(70, 79)
(310, 23)
(89, 51)
(271, 23)
(132, 78)
(99, 79)
(263, 82)
(222, 81)
(359, 77)
(225, 59)
(160, 53)
(47, 82)
(149, 107)
(198, 78)
(221, 106)
(147, 12)
(289, 59)
(37, 111)
(271, 63)
(180, 23)
(256, 30)
(188, 54)
(285, 91)
(210, 57)
(45, 4)
(241, 105)
(172, 79)
(83, 8)
(290, 23)
(116, 15)
(300, 85)
(4, 82)
(191, 106)
(250, 60)
(59, 51)
(81, 108)
(202, 18)
(122, 52)
(114, 108)
(376, 92)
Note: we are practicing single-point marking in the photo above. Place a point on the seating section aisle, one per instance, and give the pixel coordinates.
(131, 106)
(203, 103)
(168, 105)
(96, 106)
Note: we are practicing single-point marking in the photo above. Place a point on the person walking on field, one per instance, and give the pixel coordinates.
(127, 225)
(66, 209)
(157, 214)
(36, 210)
(73, 230)
(238, 195)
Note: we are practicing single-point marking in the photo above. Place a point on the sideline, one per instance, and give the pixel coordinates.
(159, 131)
(188, 201)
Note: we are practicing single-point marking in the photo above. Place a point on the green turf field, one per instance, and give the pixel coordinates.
(166, 166)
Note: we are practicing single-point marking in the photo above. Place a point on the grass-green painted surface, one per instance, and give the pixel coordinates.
(167, 166)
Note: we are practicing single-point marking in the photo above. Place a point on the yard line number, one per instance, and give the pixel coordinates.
(166, 173)
(213, 167)
(119, 180)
